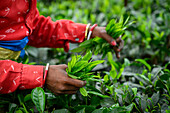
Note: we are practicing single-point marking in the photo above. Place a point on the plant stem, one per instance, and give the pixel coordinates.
(25, 108)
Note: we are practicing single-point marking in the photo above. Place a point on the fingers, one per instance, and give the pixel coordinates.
(120, 42)
(75, 82)
(65, 92)
(117, 51)
(117, 45)
(62, 66)
(69, 88)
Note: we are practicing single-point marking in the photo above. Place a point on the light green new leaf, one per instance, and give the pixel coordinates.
(93, 64)
(126, 21)
(106, 78)
(113, 74)
(83, 91)
(120, 72)
(134, 91)
(38, 98)
(19, 111)
(73, 61)
(79, 66)
(87, 56)
(74, 77)
(144, 62)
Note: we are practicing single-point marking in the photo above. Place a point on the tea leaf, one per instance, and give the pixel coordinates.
(98, 94)
(120, 72)
(79, 49)
(81, 111)
(155, 98)
(93, 64)
(38, 98)
(144, 62)
(106, 78)
(79, 66)
(73, 61)
(61, 111)
(87, 56)
(74, 77)
(83, 91)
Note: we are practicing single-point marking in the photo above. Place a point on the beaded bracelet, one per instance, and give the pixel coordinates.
(46, 71)
(91, 30)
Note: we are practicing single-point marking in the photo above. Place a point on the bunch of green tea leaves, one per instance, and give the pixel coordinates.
(100, 46)
(79, 68)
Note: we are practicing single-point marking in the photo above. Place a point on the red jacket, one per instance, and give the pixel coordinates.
(20, 18)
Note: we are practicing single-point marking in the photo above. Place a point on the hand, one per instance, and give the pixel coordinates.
(101, 32)
(60, 83)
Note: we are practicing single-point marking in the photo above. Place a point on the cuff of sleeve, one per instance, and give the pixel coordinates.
(32, 77)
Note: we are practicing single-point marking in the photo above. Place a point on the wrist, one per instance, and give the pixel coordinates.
(93, 30)
(45, 71)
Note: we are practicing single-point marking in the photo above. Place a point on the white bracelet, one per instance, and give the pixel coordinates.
(89, 35)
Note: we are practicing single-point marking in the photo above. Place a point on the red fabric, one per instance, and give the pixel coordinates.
(19, 76)
(20, 18)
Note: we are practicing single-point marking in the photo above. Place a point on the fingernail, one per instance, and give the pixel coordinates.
(113, 43)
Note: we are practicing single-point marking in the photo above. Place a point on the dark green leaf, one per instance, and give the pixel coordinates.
(98, 94)
(155, 98)
(81, 111)
(27, 97)
(38, 98)
(61, 111)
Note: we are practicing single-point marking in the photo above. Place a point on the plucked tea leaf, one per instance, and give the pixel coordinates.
(93, 64)
(79, 66)
(77, 50)
(87, 56)
(100, 46)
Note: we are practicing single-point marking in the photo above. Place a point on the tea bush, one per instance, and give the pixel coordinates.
(138, 82)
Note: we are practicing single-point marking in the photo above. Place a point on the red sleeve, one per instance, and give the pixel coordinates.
(47, 33)
(15, 76)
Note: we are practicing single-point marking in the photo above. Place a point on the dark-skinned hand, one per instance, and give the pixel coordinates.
(59, 82)
(101, 32)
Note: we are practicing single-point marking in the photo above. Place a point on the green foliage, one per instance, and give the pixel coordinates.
(116, 29)
(132, 84)
(79, 68)
(101, 46)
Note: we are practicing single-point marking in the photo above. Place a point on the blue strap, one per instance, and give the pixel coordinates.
(15, 45)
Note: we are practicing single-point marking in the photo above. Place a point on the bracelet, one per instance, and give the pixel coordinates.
(46, 70)
(87, 29)
(90, 32)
